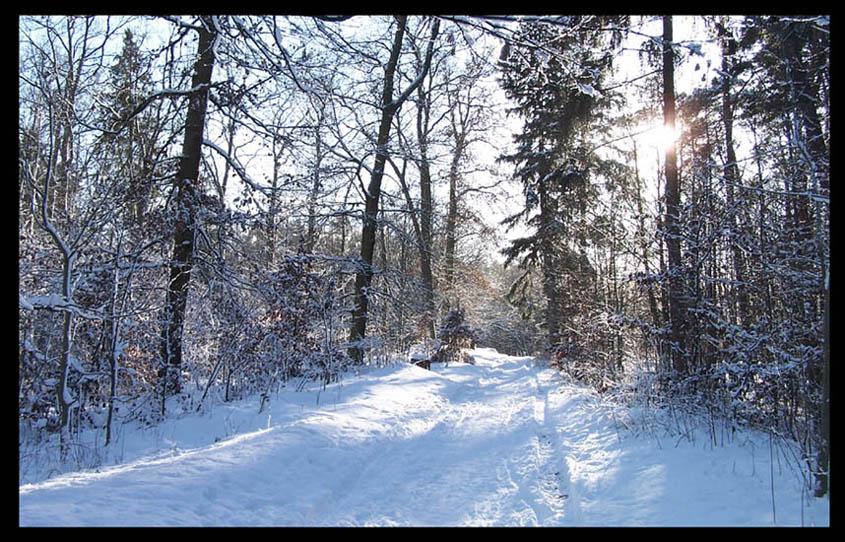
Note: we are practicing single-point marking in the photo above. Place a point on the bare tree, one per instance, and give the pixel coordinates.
(389, 107)
(186, 205)
(673, 208)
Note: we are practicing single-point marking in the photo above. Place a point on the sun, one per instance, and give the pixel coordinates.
(659, 136)
(656, 135)
(665, 137)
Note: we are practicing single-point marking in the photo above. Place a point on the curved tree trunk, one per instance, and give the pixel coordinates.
(186, 203)
(364, 276)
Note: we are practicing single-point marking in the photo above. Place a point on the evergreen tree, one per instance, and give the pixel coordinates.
(556, 85)
(132, 137)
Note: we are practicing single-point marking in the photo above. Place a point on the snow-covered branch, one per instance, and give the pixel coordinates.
(239, 169)
(56, 303)
(423, 73)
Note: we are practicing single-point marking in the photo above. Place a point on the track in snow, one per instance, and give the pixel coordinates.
(502, 442)
(460, 445)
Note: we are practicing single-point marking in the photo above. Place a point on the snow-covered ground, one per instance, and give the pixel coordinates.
(503, 442)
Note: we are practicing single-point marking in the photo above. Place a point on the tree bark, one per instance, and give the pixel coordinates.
(316, 186)
(460, 128)
(452, 226)
(426, 209)
(823, 455)
(549, 255)
(186, 203)
(807, 139)
(673, 208)
(641, 235)
(731, 173)
(804, 97)
(364, 276)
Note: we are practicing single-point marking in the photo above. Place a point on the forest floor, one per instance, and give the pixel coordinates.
(504, 442)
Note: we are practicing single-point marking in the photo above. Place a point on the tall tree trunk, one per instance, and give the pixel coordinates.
(656, 320)
(271, 223)
(549, 255)
(364, 276)
(316, 186)
(186, 204)
(673, 209)
(806, 136)
(426, 208)
(805, 95)
(731, 173)
(117, 304)
(808, 141)
(449, 274)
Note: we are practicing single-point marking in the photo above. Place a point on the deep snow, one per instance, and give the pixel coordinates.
(502, 442)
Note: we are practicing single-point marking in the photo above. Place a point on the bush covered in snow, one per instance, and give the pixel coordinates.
(455, 335)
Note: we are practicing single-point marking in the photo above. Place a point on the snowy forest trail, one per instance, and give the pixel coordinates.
(501, 442)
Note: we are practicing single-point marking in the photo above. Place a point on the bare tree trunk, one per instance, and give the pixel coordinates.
(364, 276)
(731, 172)
(316, 186)
(426, 208)
(673, 209)
(449, 273)
(459, 129)
(186, 204)
(114, 333)
(656, 320)
(823, 455)
(272, 221)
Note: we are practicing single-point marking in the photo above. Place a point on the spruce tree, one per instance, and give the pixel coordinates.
(133, 137)
(555, 81)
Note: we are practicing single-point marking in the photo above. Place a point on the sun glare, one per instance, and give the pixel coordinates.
(659, 136)
(665, 137)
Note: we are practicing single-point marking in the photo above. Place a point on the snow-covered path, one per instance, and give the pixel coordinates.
(502, 442)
